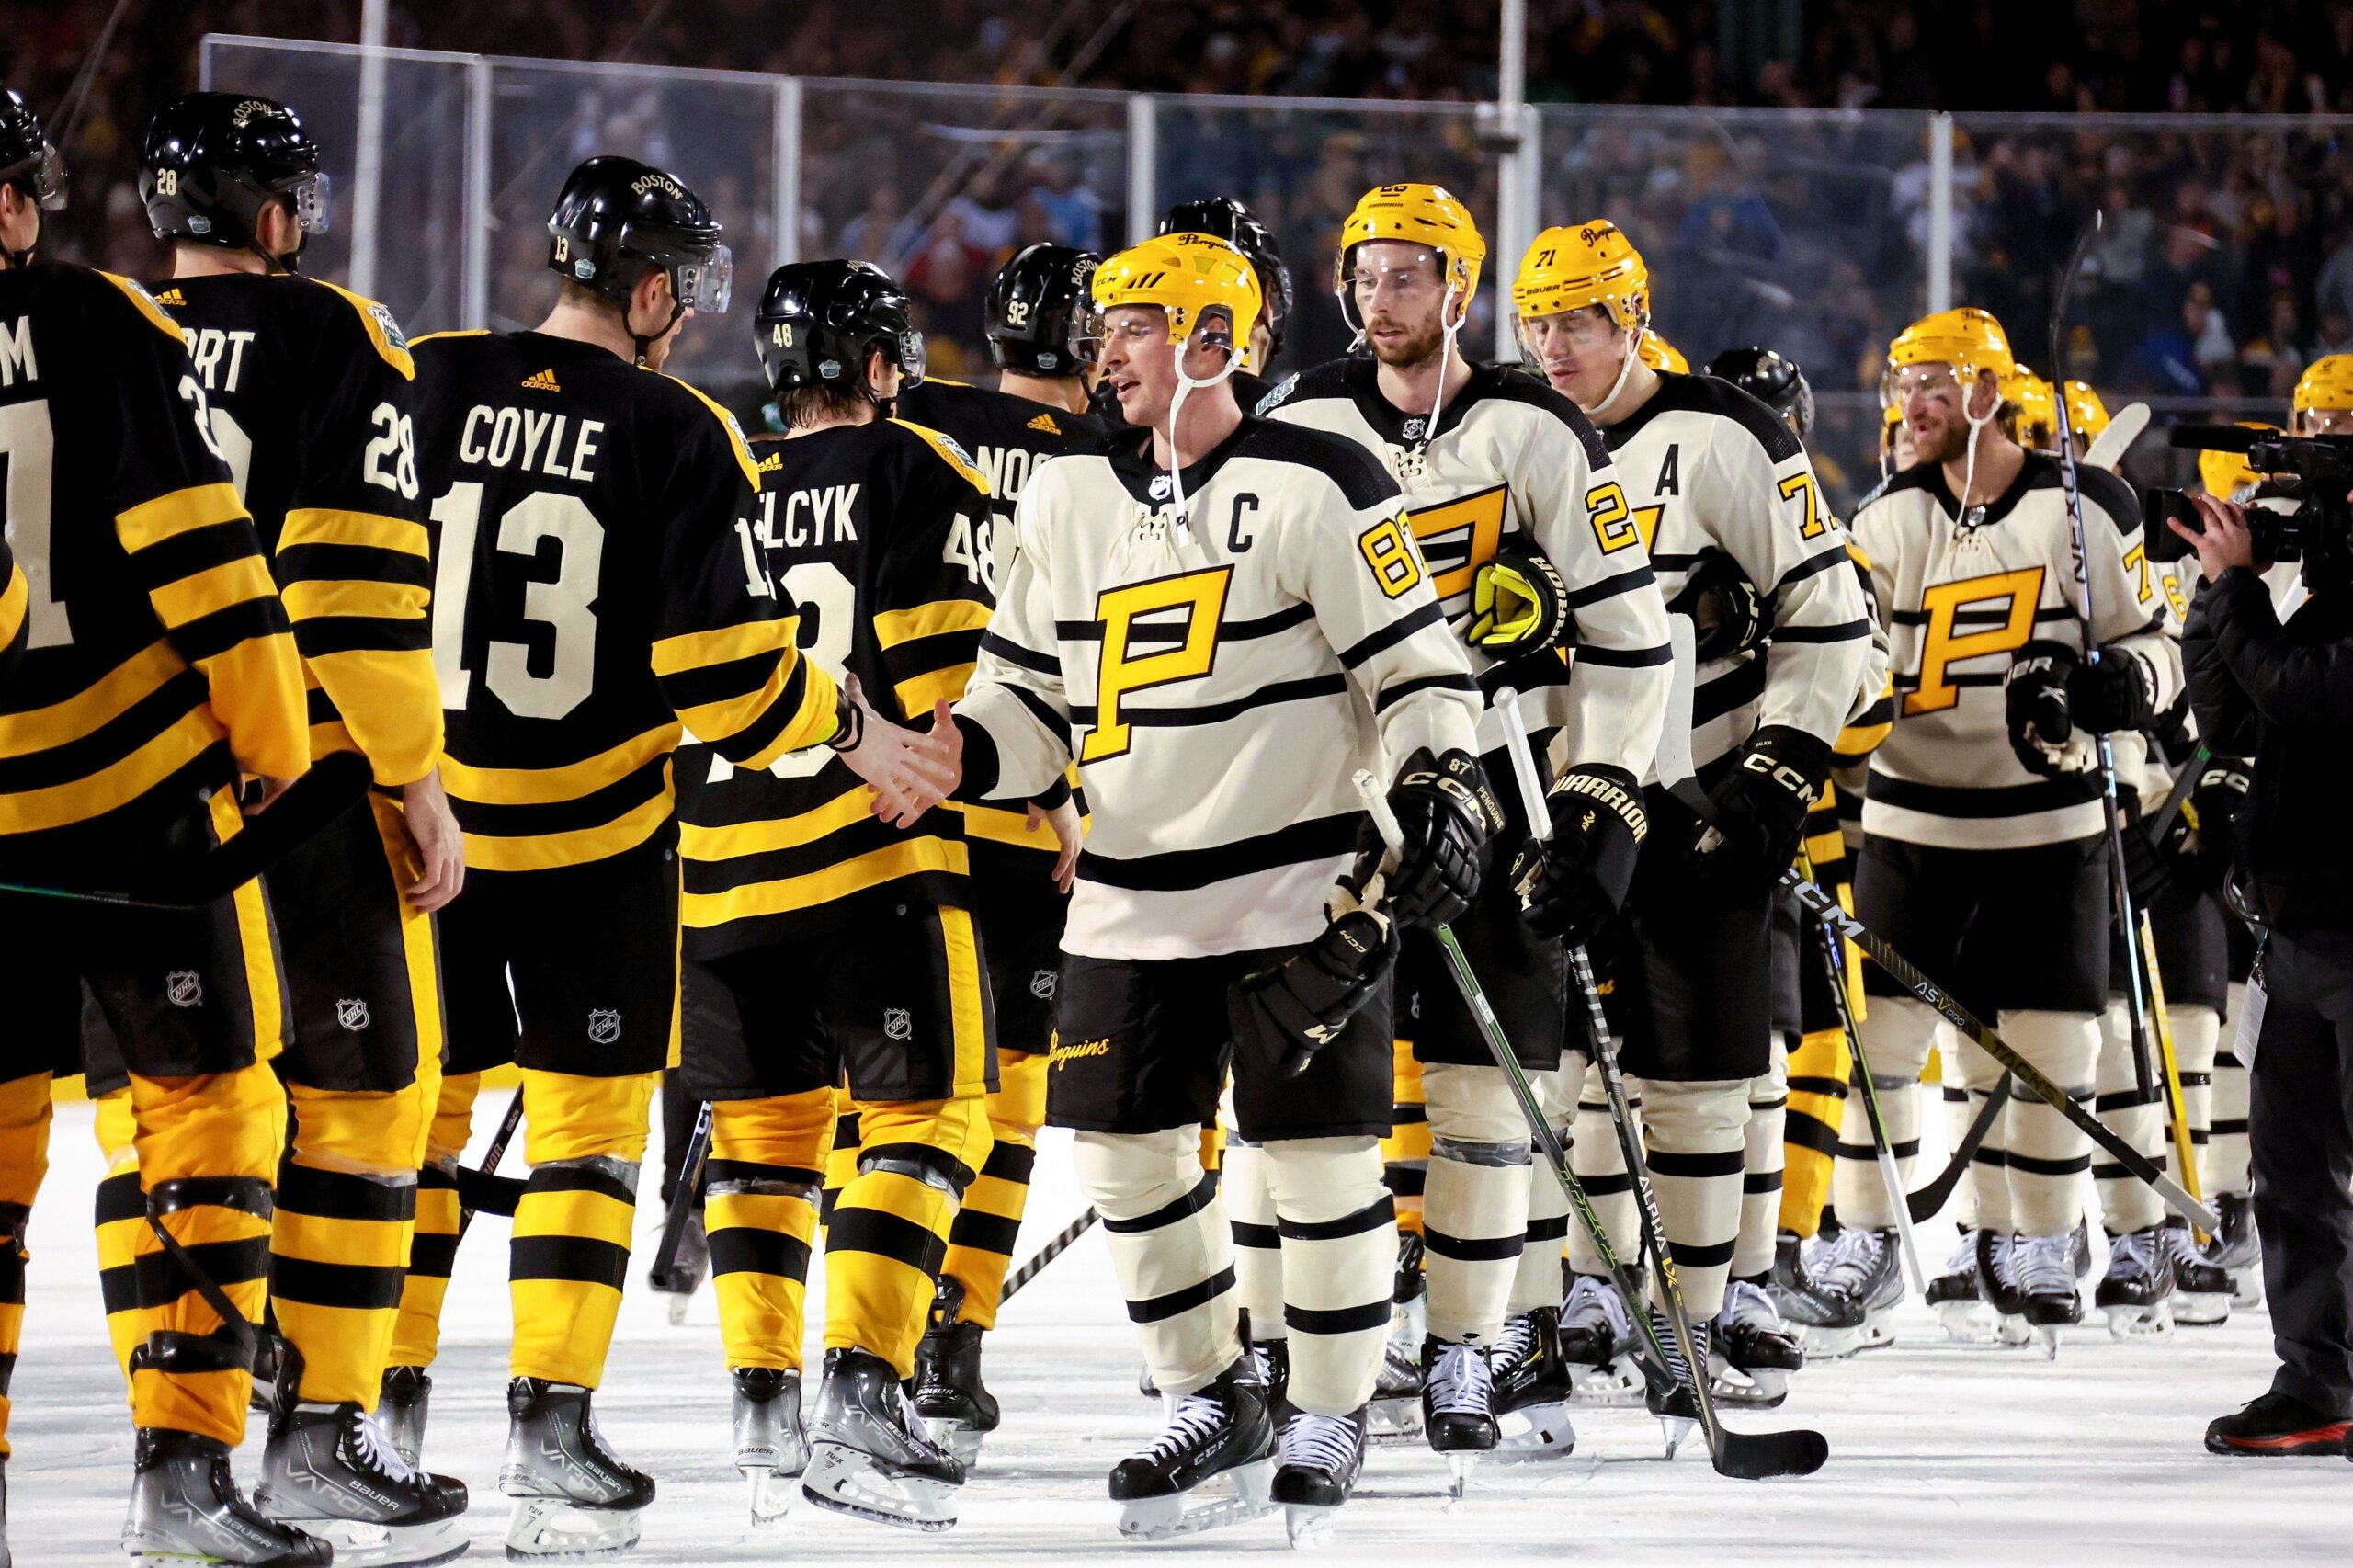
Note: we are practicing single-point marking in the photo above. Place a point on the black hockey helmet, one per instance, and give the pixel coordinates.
(214, 160)
(818, 319)
(1234, 223)
(1772, 380)
(28, 159)
(616, 217)
(1041, 317)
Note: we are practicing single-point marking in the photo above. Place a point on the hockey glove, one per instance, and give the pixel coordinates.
(2147, 874)
(1760, 809)
(1447, 812)
(1289, 1011)
(2036, 696)
(1575, 884)
(1728, 615)
(2200, 841)
(2117, 693)
(1518, 604)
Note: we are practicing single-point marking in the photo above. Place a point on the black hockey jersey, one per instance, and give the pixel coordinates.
(867, 529)
(597, 590)
(309, 389)
(158, 661)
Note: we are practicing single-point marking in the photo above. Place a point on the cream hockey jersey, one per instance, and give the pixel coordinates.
(1959, 603)
(1218, 680)
(1512, 465)
(1707, 469)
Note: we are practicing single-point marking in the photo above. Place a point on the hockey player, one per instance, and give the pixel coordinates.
(159, 669)
(1046, 335)
(821, 943)
(1719, 489)
(1229, 219)
(598, 589)
(1526, 534)
(308, 389)
(1196, 937)
(1984, 859)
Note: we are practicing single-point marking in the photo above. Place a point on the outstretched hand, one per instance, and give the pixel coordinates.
(907, 771)
(1070, 830)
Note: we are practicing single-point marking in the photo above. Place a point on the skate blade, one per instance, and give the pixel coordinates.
(2046, 1337)
(1879, 1329)
(2152, 1321)
(1828, 1343)
(1970, 1322)
(1676, 1429)
(836, 1480)
(544, 1528)
(679, 1302)
(365, 1545)
(1394, 1420)
(2202, 1309)
(1185, 1513)
(1534, 1432)
(2012, 1330)
(1459, 1467)
(1309, 1527)
(957, 1439)
(2246, 1287)
(773, 1493)
(1617, 1385)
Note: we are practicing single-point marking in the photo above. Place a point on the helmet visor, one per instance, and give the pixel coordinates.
(43, 175)
(312, 207)
(704, 285)
(1087, 331)
(911, 358)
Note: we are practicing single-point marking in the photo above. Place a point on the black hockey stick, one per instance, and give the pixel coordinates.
(482, 1188)
(333, 784)
(1045, 1255)
(1929, 1201)
(2178, 796)
(684, 1199)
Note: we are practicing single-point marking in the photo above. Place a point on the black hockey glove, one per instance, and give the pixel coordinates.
(2117, 693)
(2203, 835)
(1728, 615)
(2036, 696)
(1447, 812)
(1575, 884)
(1519, 606)
(1760, 809)
(1291, 1010)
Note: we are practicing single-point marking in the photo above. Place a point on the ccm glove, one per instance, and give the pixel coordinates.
(2117, 693)
(1518, 604)
(1289, 1011)
(1575, 885)
(1447, 813)
(1728, 615)
(2037, 701)
(1761, 808)
(2202, 836)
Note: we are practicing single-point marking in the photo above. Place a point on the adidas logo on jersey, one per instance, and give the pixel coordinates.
(543, 381)
(1046, 421)
(171, 297)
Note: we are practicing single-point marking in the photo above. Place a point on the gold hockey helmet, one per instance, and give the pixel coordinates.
(1188, 276)
(1592, 263)
(2086, 415)
(2037, 406)
(2326, 386)
(2222, 473)
(1968, 339)
(1660, 355)
(1421, 215)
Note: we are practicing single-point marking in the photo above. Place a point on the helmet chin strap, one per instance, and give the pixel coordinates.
(1184, 385)
(644, 341)
(1634, 356)
(1447, 329)
(1969, 466)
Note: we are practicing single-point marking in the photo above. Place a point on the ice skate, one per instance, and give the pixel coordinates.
(771, 1450)
(1754, 1351)
(1533, 1390)
(1457, 1405)
(328, 1470)
(1596, 1342)
(1396, 1412)
(2237, 1249)
(2137, 1291)
(572, 1497)
(869, 1454)
(1221, 1430)
(401, 1409)
(1322, 1457)
(956, 1407)
(1677, 1407)
(687, 1270)
(2046, 1274)
(1863, 1266)
(185, 1508)
(2201, 1292)
(1828, 1328)
(1997, 1261)
(1959, 1300)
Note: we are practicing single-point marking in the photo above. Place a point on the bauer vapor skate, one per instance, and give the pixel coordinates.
(771, 1450)
(185, 1508)
(956, 1407)
(1829, 1327)
(869, 1454)
(2136, 1294)
(328, 1470)
(573, 1497)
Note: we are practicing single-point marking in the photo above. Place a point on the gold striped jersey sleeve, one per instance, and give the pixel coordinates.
(13, 599)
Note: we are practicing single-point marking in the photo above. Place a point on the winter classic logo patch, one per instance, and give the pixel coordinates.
(604, 1026)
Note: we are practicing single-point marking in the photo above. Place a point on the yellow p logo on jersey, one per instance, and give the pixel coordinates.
(1203, 596)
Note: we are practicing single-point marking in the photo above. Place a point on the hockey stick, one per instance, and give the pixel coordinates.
(1883, 1149)
(333, 784)
(1046, 1255)
(480, 1188)
(2178, 796)
(684, 1199)
(1928, 1202)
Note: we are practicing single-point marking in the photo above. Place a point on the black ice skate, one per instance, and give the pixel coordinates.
(1596, 1339)
(1828, 1326)
(1396, 1412)
(1958, 1298)
(2046, 1274)
(771, 1450)
(2237, 1249)
(1754, 1351)
(401, 1408)
(2137, 1291)
(1323, 1456)
(2201, 1292)
(869, 1454)
(2277, 1425)
(1457, 1405)
(1997, 1276)
(1677, 1406)
(1221, 1430)
(572, 1497)
(956, 1407)
(328, 1470)
(185, 1507)
(1863, 1266)
(1532, 1389)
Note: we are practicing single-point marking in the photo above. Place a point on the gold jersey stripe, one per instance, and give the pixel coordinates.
(917, 693)
(893, 627)
(197, 506)
(907, 858)
(144, 303)
(547, 851)
(949, 453)
(362, 598)
(95, 706)
(215, 588)
(715, 844)
(79, 799)
(722, 645)
(553, 786)
(449, 332)
(324, 525)
(389, 701)
(1008, 828)
(12, 605)
(366, 310)
(812, 724)
(735, 435)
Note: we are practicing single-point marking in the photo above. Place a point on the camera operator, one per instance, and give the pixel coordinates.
(2283, 694)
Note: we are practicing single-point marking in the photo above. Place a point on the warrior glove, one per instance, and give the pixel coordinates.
(1519, 606)
(1574, 884)
(1761, 808)
(1447, 813)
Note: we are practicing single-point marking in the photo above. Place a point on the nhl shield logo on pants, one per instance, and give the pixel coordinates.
(898, 1024)
(604, 1026)
(351, 1012)
(184, 988)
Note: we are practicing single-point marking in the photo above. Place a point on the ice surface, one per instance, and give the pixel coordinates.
(1938, 1452)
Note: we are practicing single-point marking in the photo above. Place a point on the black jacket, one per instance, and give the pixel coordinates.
(2283, 695)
